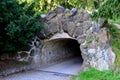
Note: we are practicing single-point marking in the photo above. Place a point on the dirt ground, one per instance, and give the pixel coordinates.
(9, 64)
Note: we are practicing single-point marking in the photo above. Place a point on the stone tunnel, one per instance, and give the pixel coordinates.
(72, 33)
(58, 50)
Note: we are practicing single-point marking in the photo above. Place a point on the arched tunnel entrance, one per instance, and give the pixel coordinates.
(65, 51)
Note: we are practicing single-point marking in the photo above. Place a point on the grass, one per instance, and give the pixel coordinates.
(96, 39)
(117, 21)
(115, 43)
(88, 40)
(11, 64)
(114, 74)
(94, 74)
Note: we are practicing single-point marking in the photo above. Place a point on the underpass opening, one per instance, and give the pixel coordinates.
(60, 50)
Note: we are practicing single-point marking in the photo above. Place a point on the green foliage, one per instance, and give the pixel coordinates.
(18, 25)
(96, 39)
(94, 74)
(88, 40)
(117, 21)
(110, 9)
(115, 42)
(47, 5)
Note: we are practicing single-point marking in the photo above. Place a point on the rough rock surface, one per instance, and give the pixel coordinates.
(92, 37)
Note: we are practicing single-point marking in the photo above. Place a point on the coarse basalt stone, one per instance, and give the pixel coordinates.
(92, 37)
(51, 15)
(69, 27)
(51, 28)
(73, 11)
(43, 15)
(91, 51)
(86, 26)
(81, 39)
(81, 15)
(15, 70)
(78, 31)
(60, 9)
(67, 11)
(96, 27)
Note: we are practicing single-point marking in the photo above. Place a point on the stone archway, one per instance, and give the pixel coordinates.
(60, 49)
(75, 25)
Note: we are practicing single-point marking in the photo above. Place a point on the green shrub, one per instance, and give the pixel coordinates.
(115, 43)
(19, 23)
(110, 10)
(94, 74)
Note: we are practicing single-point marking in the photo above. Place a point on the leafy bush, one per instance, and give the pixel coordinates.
(110, 9)
(18, 25)
(47, 5)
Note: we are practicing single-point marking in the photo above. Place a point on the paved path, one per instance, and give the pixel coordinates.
(118, 26)
(61, 71)
(71, 67)
(36, 75)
